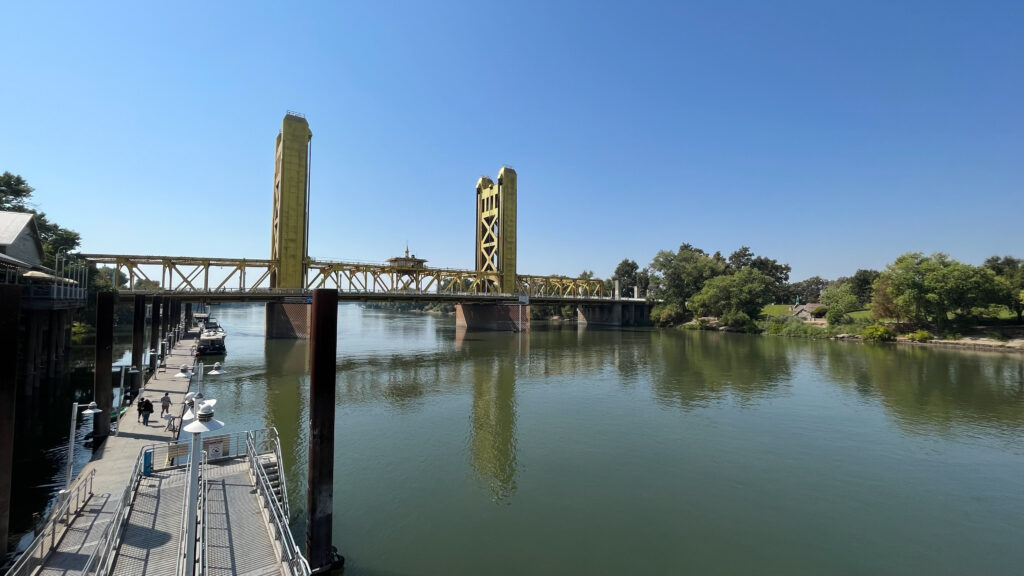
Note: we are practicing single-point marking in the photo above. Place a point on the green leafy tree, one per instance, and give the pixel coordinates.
(676, 276)
(927, 289)
(1010, 274)
(14, 193)
(15, 196)
(746, 292)
(627, 273)
(840, 301)
(778, 273)
(862, 285)
(807, 291)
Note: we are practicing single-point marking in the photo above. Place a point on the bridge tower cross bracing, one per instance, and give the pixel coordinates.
(496, 227)
(289, 242)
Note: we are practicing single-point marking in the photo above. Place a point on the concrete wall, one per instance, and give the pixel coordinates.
(618, 314)
(287, 320)
(493, 317)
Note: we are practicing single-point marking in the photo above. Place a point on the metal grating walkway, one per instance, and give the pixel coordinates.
(150, 542)
(239, 540)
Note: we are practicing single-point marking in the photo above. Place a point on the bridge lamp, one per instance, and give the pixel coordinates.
(91, 409)
(204, 422)
(216, 369)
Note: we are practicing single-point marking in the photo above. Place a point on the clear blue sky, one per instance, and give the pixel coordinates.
(829, 135)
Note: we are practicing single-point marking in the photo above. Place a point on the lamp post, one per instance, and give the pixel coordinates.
(92, 409)
(203, 422)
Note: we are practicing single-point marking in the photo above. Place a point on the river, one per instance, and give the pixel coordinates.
(565, 451)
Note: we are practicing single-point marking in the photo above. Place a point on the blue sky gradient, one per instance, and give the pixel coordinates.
(831, 136)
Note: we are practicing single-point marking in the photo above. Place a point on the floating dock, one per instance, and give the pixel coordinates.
(126, 512)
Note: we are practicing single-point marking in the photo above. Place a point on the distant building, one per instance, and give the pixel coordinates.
(19, 240)
(805, 311)
(407, 261)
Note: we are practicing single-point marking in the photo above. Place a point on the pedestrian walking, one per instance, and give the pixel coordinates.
(140, 406)
(165, 404)
(147, 411)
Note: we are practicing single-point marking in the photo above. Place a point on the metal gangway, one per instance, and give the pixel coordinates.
(242, 524)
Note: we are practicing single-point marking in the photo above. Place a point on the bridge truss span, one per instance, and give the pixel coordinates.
(250, 279)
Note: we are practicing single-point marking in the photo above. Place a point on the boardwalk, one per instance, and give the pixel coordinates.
(239, 538)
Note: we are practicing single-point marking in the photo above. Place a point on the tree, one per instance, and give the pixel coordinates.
(626, 273)
(840, 301)
(862, 285)
(744, 292)
(14, 193)
(1010, 274)
(778, 273)
(676, 276)
(808, 290)
(927, 289)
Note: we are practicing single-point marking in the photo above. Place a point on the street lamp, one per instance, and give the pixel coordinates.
(92, 409)
(204, 422)
(216, 369)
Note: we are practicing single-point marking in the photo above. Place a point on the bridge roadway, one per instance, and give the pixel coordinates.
(240, 279)
(239, 541)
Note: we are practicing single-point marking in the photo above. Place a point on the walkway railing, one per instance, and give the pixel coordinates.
(55, 526)
(102, 557)
(288, 552)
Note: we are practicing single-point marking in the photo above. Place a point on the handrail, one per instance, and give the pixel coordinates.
(102, 554)
(204, 525)
(280, 474)
(179, 568)
(61, 514)
(290, 554)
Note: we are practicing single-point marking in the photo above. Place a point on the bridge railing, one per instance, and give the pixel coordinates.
(188, 275)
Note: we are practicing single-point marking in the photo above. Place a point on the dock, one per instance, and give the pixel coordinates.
(126, 512)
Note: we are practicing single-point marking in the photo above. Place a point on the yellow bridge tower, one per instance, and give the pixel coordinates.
(496, 228)
(289, 237)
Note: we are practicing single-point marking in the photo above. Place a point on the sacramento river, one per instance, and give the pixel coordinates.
(570, 451)
(643, 451)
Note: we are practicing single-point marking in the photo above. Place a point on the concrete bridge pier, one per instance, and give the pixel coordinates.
(614, 315)
(502, 317)
(288, 320)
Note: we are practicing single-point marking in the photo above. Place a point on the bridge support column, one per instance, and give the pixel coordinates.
(493, 317)
(614, 315)
(10, 310)
(154, 332)
(323, 374)
(102, 385)
(138, 341)
(289, 320)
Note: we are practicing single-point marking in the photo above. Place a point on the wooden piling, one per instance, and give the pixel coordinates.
(154, 332)
(10, 310)
(138, 341)
(322, 378)
(102, 386)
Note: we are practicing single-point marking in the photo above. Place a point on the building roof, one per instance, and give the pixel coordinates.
(11, 225)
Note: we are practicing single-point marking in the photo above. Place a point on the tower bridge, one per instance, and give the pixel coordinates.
(491, 296)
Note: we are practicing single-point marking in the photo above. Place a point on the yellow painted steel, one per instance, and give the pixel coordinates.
(496, 227)
(288, 233)
(239, 276)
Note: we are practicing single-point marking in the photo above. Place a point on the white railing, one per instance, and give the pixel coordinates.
(288, 552)
(50, 534)
(180, 568)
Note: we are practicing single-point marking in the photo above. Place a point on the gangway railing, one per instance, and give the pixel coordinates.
(287, 551)
(102, 557)
(55, 525)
